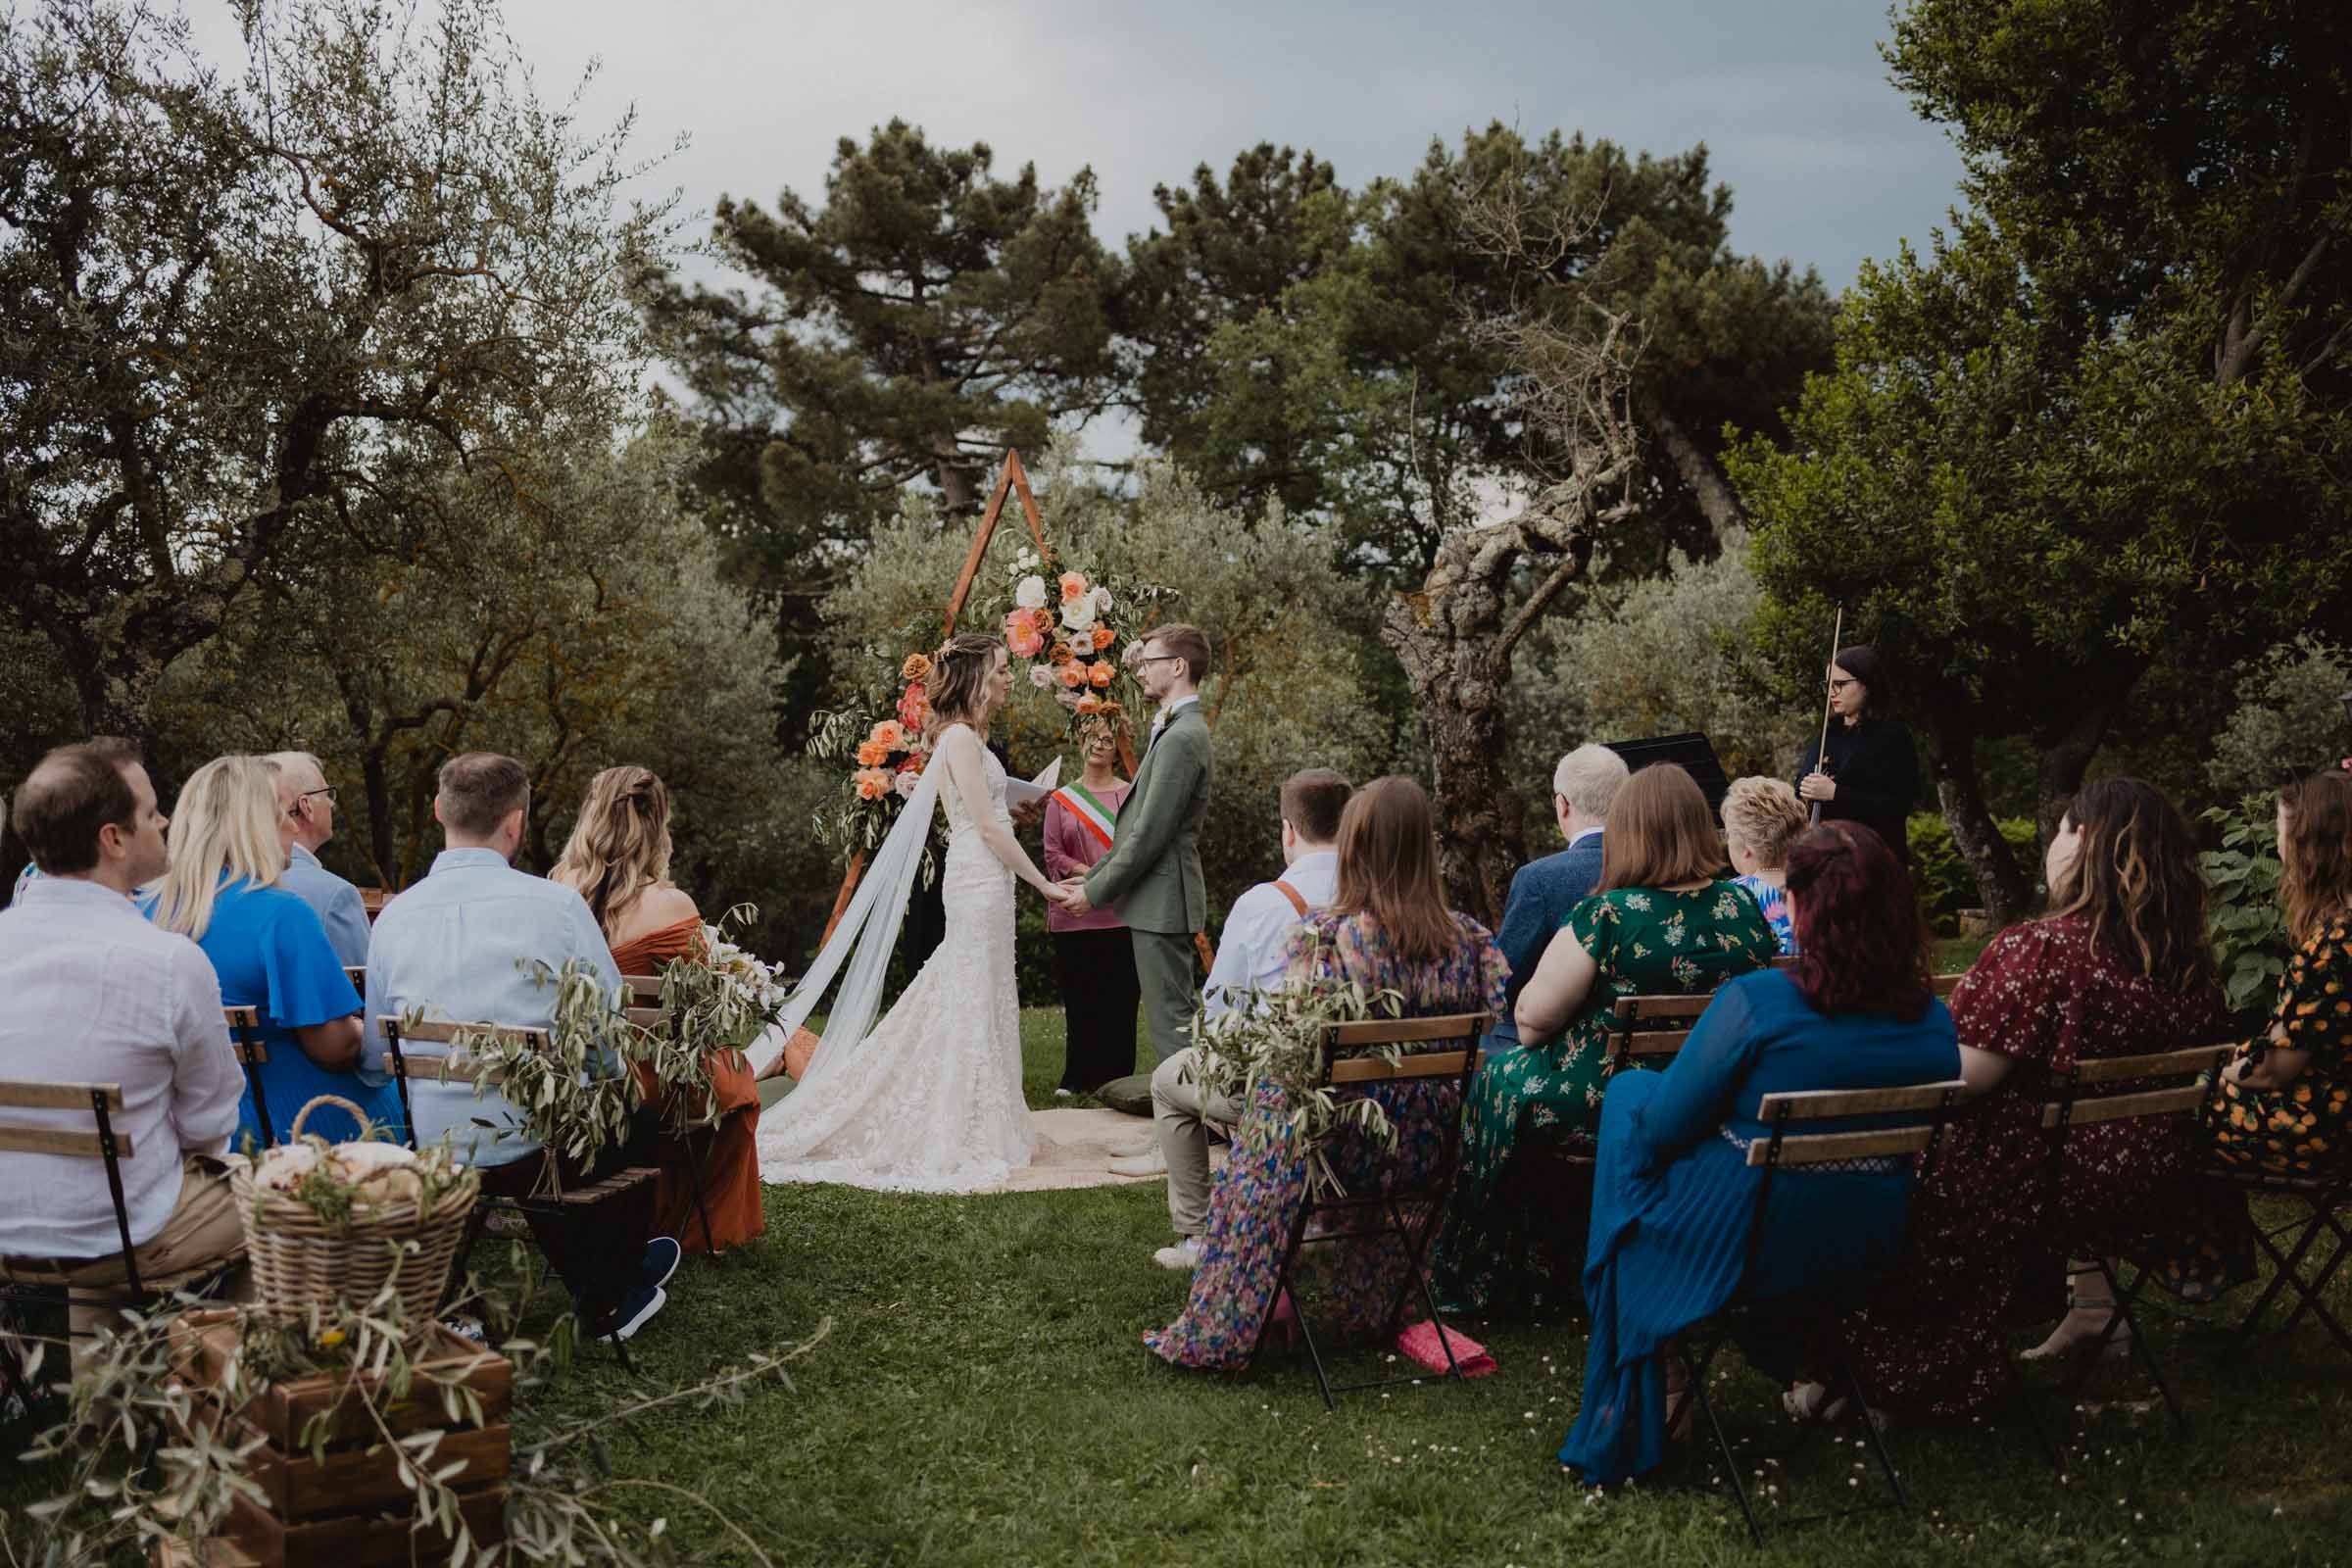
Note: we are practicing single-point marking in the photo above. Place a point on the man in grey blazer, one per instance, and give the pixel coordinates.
(1542, 892)
(1152, 875)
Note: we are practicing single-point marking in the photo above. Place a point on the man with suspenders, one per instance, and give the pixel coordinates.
(1249, 960)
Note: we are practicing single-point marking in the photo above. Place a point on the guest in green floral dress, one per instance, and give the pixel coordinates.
(2284, 1103)
(1658, 922)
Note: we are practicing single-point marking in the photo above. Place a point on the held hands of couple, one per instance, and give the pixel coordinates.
(1071, 896)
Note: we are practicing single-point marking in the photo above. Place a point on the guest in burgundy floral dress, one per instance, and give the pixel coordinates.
(2121, 968)
(1388, 929)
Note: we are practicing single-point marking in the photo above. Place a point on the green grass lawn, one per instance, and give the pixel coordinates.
(982, 1398)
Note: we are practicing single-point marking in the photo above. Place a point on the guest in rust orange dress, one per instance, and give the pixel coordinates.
(618, 859)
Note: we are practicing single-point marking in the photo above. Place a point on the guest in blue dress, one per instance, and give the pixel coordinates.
(1761, 818)
(1673, 1194)
(228, 845)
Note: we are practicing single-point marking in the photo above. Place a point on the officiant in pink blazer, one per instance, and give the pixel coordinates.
(1092, 952)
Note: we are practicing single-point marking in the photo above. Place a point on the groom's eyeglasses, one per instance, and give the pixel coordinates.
(1156, 659)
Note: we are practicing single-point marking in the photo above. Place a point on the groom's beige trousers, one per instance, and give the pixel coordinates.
(1182, 1115)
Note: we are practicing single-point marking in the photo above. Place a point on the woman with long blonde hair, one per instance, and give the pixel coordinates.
(929, 1099)
(617, 859)
(230, 836)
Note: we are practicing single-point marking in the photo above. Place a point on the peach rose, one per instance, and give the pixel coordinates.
(1088, 707)
(889, 736)
(1104, 638)
(873, 753)
(1073, 673)
(1073, 587)
(916, 667)
(1102, 673)
(872, 783)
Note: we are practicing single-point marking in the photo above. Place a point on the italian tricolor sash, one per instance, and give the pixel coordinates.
(1091, 814)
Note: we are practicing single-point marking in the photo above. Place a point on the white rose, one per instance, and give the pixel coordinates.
(1040, 676)
(1079, 614)
(1031, 594)
(906, 784)
(1101, 601)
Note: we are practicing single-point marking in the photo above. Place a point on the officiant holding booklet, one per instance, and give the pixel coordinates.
(1093, 953)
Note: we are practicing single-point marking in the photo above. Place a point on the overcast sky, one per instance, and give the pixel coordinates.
(1826, 163)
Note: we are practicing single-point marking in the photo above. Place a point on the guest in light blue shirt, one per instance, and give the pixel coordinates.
(308, 803)
(1542, 892)
(466, 945)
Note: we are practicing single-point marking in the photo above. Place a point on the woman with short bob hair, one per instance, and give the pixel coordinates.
(1673, 1194)
(230, 838)
(1761, 818)
(1658, 922)
(1388, 929)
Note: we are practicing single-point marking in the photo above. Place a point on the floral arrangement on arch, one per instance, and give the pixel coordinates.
(884, 757)
(1076, 635)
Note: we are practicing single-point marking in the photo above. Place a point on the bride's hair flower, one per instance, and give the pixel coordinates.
(916, 667)
(872, 783)
(1104, 638)
(1102, 673)
(1073, 587)
(1030, 593)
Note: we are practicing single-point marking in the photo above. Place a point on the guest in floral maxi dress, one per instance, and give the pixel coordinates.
(1388, 929)
(2122, 967)
(2284, 1103)
(1657, 922)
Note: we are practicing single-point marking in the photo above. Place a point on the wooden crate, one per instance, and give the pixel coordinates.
(256, 1538)
(284, 1412)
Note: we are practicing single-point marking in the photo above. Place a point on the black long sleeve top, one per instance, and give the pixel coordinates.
(1876, 772)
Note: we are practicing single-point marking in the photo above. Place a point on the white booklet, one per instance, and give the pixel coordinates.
(1021, 792)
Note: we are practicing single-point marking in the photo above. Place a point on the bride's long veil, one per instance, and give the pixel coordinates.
(865, 938)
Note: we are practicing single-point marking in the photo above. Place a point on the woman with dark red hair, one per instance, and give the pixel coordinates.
(1674, 1195)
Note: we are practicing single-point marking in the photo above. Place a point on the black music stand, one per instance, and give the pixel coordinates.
(1691, 751)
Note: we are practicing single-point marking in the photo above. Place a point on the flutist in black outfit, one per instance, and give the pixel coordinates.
(1871, 774)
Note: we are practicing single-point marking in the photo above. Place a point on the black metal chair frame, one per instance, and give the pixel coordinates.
(399, 1063)
(1385, 1207)
(113, 1147)
(1711, 1335)
(253, 1054)
(2323, 1198)
(2057, 1119)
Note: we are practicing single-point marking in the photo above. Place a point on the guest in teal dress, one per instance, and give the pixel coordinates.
(1660, 921)
(1387, 929)
(1674, 1197)
(228, 844)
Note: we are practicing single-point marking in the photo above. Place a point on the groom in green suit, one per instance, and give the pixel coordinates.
(1152, 875)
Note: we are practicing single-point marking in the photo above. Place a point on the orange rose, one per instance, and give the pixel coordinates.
(1060, 654)
(888, 735)
(1102, 673)
(1088, 707)
(872, 783)
(873, 753)
(1073, 587)
(1104, 638)
(1073, 673)
(916, 667)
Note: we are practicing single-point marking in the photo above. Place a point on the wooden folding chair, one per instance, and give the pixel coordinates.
(1435, 1049)
(253, 1054)
(1947, 984)
(1648, 1031)
(598, 1292)
(645, 1012)
(2070, 1108)
(34, 1282)
(1921, 1110)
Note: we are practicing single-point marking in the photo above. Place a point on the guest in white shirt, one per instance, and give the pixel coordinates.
(463, 945)
(309, 802)
(97, 995)
(1250, 962)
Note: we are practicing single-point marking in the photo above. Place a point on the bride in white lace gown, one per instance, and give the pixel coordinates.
(930, 1100)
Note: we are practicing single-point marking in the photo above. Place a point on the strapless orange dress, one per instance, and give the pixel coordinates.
(730, 1151)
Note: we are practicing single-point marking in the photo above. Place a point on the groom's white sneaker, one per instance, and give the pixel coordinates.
(1184, 1256)
(1151, 1163)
